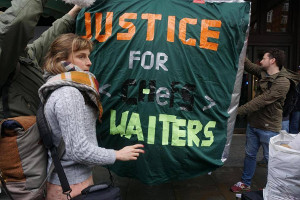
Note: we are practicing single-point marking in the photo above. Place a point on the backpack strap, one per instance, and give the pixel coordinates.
(46, 135)
(60, 149)
(291, 99)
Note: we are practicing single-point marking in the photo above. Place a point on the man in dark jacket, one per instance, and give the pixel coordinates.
(20, 62)
(264, 112)
(295, 115)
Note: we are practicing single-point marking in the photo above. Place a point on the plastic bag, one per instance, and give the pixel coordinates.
(283, 169)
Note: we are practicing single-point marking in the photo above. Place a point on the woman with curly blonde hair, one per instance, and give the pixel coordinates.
(72, 108)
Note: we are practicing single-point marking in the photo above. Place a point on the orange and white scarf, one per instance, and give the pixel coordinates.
(84, 81)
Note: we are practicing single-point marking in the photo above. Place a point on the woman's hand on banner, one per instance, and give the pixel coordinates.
(129, 152)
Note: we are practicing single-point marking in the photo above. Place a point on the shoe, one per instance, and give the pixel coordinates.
(239, 187)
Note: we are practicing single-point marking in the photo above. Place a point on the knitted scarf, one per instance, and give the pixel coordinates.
(83, 81)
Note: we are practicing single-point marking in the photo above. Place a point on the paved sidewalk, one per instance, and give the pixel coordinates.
(208, 187)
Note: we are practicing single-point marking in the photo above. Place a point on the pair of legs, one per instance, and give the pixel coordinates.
(289, 127)
(254, 138)
(285, 125)
(295, 122)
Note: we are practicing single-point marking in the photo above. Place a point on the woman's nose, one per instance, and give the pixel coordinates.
(89, 63)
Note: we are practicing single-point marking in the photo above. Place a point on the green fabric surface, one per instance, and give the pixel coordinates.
(159, 97)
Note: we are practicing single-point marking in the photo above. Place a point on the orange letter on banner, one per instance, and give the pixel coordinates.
(127, 25)
(171, 28)
(205, 33)
(182, 31)
(151, 24)
(88, 29)
(108, 26)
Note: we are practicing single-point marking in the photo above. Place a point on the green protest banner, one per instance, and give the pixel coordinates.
(167, 71)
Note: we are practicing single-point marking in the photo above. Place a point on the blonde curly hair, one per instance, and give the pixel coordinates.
(60, 49)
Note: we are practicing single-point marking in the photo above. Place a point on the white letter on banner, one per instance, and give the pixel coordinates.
(162, 95)
(159, 62)
(132, 58)
(144, 60)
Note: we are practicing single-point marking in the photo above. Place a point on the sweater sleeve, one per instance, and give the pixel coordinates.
(69, 110)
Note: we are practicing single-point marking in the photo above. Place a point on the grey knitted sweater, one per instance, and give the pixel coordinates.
(69, 117)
